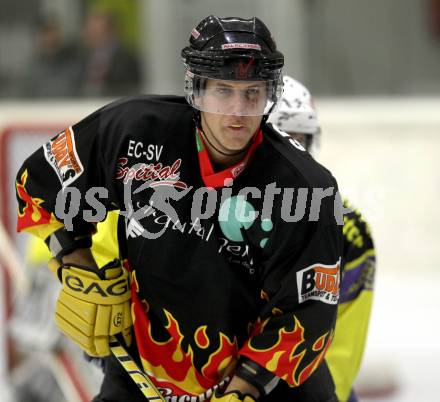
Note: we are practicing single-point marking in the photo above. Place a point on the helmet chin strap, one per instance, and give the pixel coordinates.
(235, 153)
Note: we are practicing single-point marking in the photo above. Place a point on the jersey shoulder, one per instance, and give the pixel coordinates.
(357, 232)
(359, 256)
(157, 112)
(296, 161)
(159, 105)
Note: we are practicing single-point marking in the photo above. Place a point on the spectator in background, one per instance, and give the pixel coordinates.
(108, 69)
(54, 69)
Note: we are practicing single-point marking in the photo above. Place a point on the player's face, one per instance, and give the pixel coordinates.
(240, 106)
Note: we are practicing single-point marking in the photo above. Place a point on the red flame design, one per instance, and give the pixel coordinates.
(242, 70)
(32, 214)
(169, 363)
(201, 338)
(283, 358)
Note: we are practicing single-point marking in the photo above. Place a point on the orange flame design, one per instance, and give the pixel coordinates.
(283, 358)
(170, 364)
(32, 214)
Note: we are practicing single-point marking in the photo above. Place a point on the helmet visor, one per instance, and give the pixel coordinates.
(232, 97)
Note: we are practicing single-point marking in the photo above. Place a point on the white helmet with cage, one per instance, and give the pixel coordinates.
(296, 114)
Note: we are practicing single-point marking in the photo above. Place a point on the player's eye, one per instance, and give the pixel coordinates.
(253, 91)
(252, 94)
(223, 91)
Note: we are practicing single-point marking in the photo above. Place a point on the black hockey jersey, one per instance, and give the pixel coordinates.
(247, 268)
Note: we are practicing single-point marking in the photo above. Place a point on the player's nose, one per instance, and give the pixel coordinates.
(239, 104)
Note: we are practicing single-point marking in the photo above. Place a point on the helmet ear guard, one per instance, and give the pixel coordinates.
(194, 84)
(278, 90)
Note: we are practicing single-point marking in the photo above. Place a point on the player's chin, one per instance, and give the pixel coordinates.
(234, 146)
(240, 133)
(235, 138)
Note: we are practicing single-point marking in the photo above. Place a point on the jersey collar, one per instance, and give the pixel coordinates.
(217, 179)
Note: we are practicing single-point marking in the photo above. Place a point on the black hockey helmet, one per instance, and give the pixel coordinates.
(234, 49)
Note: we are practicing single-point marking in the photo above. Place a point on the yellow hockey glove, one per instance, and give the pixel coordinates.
(93, 304)
(234, 396)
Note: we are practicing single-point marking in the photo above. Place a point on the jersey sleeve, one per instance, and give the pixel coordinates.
(105, 246)
(68, 180)
(359, 263)
(300, 291)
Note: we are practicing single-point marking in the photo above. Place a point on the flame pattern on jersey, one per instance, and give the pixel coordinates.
(169, 363)
(287, 357)
(30, 211)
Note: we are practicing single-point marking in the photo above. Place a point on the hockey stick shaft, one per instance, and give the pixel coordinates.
(141, 379)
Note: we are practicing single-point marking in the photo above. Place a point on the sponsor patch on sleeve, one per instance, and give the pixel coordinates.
(61, 154)
(319, 282)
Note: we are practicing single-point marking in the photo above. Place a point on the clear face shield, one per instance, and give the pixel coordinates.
(232, 97)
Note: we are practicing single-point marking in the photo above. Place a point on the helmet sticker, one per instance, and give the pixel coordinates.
(254, 46)
(242, 69)
(195, 34)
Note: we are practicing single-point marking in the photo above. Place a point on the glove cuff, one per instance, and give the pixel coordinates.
(111, 270)
(63, 242)
(258, 376)
(233, 396)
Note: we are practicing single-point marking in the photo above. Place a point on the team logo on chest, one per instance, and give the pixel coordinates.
(236, 217)
(157, 174)
(148, 167)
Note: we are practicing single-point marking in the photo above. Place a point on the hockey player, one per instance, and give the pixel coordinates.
(231, 294)
(297, 117)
